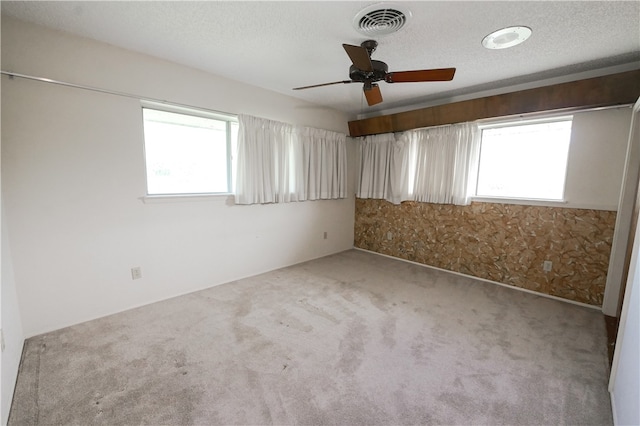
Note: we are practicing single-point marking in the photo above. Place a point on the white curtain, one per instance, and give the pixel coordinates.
(383, 163)
(324, 164)
(279, 163)
(375, 156)
(434, 165)
(445, 160)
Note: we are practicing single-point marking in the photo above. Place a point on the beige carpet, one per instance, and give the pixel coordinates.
(353, 338)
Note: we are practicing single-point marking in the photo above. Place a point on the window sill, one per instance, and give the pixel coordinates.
(181, 198)
(522, 201)
(546, 203)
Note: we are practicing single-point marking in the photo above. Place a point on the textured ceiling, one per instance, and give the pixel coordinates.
(281, 45)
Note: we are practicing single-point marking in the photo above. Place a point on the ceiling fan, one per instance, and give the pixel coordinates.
(368, 71)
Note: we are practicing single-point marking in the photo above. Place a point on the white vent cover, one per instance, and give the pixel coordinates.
(381, 19)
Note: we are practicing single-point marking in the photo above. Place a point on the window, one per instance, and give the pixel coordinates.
(188, 151)
(525, 160)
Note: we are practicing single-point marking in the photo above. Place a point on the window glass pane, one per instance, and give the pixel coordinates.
(185, 154)
(524, 161)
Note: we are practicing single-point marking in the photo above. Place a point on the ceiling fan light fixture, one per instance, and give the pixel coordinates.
(506, 37)
(381, 19)
(369, 71)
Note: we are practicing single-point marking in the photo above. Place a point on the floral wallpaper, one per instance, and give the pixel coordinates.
(501, 242)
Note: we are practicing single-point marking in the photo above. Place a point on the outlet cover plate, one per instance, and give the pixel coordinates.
(136, 273)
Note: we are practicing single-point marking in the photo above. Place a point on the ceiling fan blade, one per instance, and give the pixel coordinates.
(323, 84)
(440, 74)
(373, 94)
(359, 56)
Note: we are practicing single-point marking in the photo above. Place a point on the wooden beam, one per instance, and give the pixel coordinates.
(615, 89)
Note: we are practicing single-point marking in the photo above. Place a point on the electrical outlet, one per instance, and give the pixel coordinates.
(136, 273)
(325, 235)
(546, 266)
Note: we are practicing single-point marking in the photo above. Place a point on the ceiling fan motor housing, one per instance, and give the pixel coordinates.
(379, 72)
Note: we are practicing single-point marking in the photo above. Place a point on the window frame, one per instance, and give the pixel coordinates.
(229, 119)
(514, 122)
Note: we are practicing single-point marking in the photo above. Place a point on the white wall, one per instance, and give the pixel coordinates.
(624, 384)
(73, 175)
(596, 158)
(12, 328)
(625, 378)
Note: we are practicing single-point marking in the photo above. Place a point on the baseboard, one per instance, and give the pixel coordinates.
(548, 296)
(613, 408)
(14, 379)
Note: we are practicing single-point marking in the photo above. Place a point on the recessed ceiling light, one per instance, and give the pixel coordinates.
(506, 37)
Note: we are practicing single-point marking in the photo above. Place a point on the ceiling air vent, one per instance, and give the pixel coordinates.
(381, 19)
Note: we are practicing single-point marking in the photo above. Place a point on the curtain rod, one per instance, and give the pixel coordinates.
(11, 75)
(548, 114)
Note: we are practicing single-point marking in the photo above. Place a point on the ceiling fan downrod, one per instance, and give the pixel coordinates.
(370, 45)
